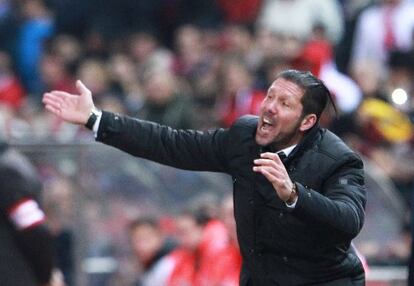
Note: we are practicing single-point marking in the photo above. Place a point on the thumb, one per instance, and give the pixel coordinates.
(82, 88)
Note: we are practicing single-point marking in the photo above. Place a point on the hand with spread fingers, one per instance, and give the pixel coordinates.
(74, 108)
(270, 166)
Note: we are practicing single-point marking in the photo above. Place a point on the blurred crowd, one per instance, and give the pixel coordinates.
(199, 248)
(201, 64)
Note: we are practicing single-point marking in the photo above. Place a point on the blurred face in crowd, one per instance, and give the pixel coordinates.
(238, 38)
(189, 233)
(94, 74)
(391, 2)
(146, 240)
(367, 75)
(33, 9)
(142, 45)
(52, 70)
(159, 87)
(281, 122)
(122, 69)
(5, 63)
(236, 77)
(190, 45)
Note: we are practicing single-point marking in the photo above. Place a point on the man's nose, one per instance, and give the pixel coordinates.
(272, 107)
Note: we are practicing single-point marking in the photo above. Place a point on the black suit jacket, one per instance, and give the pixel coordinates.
(280, 246)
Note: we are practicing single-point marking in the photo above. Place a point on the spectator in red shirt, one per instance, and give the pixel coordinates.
(11, 90)
(241, 11)
(226, 270)
(201, 240)
(239, 95)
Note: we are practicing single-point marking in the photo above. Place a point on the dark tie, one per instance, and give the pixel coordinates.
(282, 155)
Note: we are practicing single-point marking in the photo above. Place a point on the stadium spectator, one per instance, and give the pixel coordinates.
(200, 240)
(164, 102)
(151, 249)
(226, 269)
(239, 95)
(147, 53)
(382, 28)
(37, 27)
(276, 16)
(12, 92)
(317, 56)
(240, 12)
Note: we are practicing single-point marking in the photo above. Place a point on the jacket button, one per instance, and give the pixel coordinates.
(251, 250)
(251, 201)
(285, 259)
(281, 214)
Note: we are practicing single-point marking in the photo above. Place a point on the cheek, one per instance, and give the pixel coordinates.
(261, 107)
(289, 122)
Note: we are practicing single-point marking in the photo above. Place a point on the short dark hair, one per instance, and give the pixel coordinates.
(143, 221)
(316, 94)
(200, 216)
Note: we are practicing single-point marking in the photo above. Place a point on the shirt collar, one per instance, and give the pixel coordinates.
(287, 150)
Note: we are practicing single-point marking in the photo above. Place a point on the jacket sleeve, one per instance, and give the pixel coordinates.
(339, 208)
(37, 245)
(27, 221)
(184, 149)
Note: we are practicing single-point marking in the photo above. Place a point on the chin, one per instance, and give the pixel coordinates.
(262, 141)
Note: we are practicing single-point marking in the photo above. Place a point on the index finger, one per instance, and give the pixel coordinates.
(62, 93)
(271, 156)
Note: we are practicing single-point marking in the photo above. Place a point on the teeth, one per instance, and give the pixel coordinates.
(267, 121)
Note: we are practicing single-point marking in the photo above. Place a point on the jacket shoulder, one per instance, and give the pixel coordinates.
(243, 129)
(334, 147)
(246, 121)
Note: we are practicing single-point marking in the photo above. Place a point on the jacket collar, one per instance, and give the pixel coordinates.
(307, 141)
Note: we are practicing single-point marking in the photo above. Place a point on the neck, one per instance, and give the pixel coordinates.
(294, 140)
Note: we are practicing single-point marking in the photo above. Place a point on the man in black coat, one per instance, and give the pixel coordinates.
(296, 212)
(26, 245)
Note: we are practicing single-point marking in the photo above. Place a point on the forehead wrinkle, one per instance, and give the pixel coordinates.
(285, 87)
(286, 90)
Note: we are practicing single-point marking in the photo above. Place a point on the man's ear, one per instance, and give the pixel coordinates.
(308, 122)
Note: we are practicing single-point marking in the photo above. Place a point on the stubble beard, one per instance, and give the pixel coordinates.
(282, 141)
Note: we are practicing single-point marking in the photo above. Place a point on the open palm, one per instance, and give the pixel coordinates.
(73, 108)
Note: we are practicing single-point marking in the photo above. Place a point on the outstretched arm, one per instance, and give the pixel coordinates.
(185, 149)
(73, 108)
